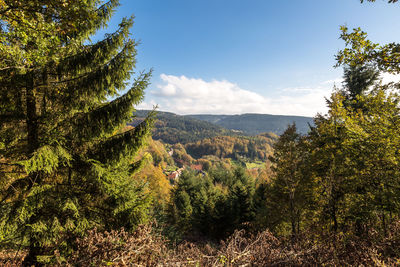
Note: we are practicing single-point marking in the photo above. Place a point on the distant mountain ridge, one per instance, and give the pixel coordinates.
(173, 128)
(253, 124)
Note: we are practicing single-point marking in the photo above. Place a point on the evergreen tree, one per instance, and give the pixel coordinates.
(290, 185)
(65, 164)
(357, 81)
(355, 159)
(372, 147)
(241, 198)
(213, 205)
(374, 131)
(330, 162)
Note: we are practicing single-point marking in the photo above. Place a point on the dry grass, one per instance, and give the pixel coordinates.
(10, 258)
(144, 248)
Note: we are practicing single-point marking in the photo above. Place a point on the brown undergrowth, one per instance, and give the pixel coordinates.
(145, 248)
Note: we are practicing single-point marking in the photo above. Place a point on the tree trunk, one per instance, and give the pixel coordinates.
(33, 144)
(384, 223)
(30, 259)
(335, 223)
(31, 114)
(292, 214)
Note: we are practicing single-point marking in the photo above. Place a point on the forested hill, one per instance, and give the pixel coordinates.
(172, 128)
(254, 124)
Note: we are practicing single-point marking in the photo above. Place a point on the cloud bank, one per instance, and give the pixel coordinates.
(183, 95)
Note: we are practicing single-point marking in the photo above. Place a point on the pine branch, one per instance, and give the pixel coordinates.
(16, 187)
(57, 123)
(104, 120)
(123, 145)
(105, 79)
(12, 68)
(103, 14)
(96, 54)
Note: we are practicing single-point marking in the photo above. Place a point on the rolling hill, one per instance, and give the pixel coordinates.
(172, 128)
(253, 124)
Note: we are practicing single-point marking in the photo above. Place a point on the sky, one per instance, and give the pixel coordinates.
(247, 56)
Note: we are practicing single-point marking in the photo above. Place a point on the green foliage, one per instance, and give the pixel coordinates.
(241, 198)
(213, 205)
(360, 51)
(172, 128)
(254, 148)
(357, 81)
(329, 162)
(65, 164)
(374, 140)
(290, 192)
(362, 158)
(46, 159)
(354, 154)
(255, 124)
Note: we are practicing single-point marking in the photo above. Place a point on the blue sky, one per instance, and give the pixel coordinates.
(238, 56)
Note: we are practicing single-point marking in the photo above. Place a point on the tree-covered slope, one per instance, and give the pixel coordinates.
(254, 124)
(235, 147)
(172, 128)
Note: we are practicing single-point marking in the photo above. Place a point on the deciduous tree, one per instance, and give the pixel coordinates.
(290, 185)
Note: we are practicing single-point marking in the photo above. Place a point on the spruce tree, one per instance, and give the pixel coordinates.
(291, 185)
(330, 162)
(373, 149)
(65, 164)
(358, 79)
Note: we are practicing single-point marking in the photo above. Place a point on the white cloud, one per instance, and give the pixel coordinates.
(387, 78)
(184, 95)
(147, 105)
(337, 81)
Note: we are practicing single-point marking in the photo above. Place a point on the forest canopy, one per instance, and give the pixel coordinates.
(83, 183)
(65, 165)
